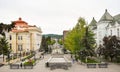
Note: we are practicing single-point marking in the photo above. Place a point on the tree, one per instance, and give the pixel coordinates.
(6, 28)
(50, 41)
(111, 48)
(80, 40)
(60, 41)
(44, 45)
(5, 50)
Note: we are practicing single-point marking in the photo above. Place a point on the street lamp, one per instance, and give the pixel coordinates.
(34, 55)
(20, 49)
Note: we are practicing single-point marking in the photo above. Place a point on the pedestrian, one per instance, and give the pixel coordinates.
(21, 64)
(43, 55)
(71, 56)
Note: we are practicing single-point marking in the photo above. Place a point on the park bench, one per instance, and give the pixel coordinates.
(28, 66)
(103, 65)
(91, 65)
(14, 66)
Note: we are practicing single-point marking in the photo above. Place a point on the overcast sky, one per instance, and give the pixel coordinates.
(54, 16)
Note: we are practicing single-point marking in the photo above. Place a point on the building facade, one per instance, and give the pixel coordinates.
(108, 25)
(24, 38)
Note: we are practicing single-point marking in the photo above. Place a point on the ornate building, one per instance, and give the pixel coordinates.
(24, 37)
(108, 25)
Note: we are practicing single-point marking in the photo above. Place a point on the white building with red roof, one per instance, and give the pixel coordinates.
(24, 38)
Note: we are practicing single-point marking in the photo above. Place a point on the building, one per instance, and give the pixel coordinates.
(108, 25)
(65, 33)
(23, 37)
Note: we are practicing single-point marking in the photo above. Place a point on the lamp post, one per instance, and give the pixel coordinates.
(34, 55)
(20, 49)
(8, 57)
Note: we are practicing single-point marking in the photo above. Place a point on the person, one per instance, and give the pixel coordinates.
(40, 56)
(21, 64)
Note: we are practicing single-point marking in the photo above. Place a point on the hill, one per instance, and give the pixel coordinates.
(53, 36)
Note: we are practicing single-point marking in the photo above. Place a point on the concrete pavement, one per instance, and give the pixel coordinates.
(76, 67)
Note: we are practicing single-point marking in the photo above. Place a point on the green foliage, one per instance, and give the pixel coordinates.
(30, 62)
(50, 41)
(91, 61)
(80, 40)
(4, 46)
(46, 41)
(44, 45)
(53, 36)
(110, 48)
(5, 27)
(60, 41)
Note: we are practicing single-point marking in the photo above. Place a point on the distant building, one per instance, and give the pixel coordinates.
(24, 37)
(65, 32)
(107, 26)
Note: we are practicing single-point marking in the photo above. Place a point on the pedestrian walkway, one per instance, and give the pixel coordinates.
(76, 67)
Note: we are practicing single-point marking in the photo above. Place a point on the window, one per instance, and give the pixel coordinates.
(10, 37)
(111, 32)
(118, 32)
(10, 46)
(19, 37)
(19, 47)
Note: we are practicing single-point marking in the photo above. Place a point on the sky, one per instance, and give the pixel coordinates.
(54, 16)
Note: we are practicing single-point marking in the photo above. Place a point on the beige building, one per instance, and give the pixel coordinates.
(24, 37)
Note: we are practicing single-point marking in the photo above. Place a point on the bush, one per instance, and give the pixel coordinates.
(91, 61)
(30, 62)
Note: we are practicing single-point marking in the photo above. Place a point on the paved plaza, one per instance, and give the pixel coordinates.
(76, 67)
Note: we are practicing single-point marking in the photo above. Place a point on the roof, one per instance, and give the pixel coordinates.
(106, 17)
(22, 26)
(93, 22)
(20, 21)
(117, 18)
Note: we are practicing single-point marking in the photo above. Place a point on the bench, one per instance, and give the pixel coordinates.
(103, 65)
(28, 66)
(91, 65)
(14, 66)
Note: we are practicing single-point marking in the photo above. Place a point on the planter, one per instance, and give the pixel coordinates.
(28, 66)
(91, 65)
(14, 66)
(103, 65)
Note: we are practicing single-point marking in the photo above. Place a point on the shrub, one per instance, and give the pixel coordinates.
(89, 60)
(30, 62)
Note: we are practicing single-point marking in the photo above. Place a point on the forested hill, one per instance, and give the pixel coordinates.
(53, 35)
